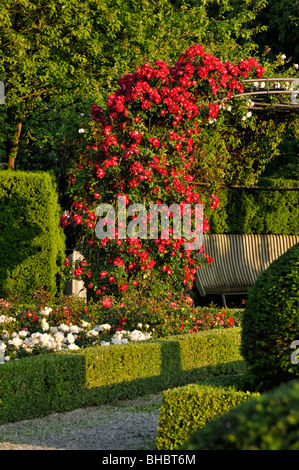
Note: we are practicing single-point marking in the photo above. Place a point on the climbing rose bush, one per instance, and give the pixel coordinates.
(141, 150)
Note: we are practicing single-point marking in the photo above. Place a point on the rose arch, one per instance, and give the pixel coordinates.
(142, 154)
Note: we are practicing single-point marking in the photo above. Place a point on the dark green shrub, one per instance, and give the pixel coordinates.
(272, 211)
(271, 323)
(31, 241)
(185, 409)
(267, 422)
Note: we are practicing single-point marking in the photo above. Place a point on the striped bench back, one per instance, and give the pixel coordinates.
(238, 260)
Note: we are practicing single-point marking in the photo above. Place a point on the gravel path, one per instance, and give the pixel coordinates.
(126, 425)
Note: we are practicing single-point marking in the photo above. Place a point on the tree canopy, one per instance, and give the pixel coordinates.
(57, 58)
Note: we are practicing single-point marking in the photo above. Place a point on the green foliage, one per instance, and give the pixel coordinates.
(286, 163)
(57, 60)
(185, 409)
(269, 421)
(259, 211)
(281, 19)
(31, 241)
(38, 385)
(271, 323)
(235, 149)
(161, 316)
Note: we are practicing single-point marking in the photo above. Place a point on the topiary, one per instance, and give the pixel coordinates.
(269, 421)
(32, 245)
(271, 323)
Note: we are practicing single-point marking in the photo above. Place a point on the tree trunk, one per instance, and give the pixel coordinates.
(15, 145)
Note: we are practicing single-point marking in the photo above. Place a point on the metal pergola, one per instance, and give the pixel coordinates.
(258, 90)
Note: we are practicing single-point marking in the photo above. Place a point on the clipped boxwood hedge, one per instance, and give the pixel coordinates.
(185, 409)
(271, 323)
(269, 421)
(32, 244)
(259, 211)
(35, 386)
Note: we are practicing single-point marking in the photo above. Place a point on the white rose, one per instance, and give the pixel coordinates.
(44, 325)
(59, 337)
(44, 340)
(46, 311)
(70, 338)
(74, 329)
(16, 342)
(64, 327)
(23, 333)
(92, 333)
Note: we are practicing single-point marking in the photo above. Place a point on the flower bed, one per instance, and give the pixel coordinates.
(18, 339)
(69, 324)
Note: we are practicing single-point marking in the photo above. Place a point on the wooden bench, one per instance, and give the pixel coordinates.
(238, 260)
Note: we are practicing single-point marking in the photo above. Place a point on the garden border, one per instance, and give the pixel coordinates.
(56, 382)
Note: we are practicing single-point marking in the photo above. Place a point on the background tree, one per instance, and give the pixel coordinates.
(57, 58)
(281, 34)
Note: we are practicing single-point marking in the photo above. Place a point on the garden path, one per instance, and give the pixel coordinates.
(125, 425)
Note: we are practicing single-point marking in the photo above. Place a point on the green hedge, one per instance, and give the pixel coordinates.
(257, 211)
(269, 421)
(271, 323)
(35, 386)
(185, 409)
(32, 243)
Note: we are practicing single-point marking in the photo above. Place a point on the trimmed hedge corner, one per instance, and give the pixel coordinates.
(32, 244)
(269, 421)
(35, 386)
(185, 409)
